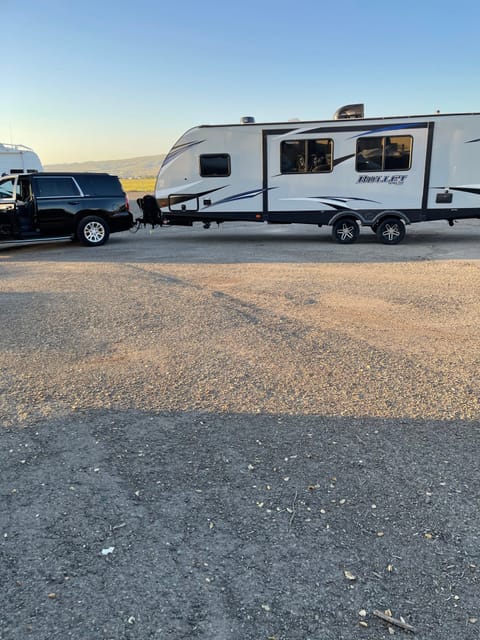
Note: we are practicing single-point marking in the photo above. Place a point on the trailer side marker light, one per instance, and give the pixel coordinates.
(258, 216)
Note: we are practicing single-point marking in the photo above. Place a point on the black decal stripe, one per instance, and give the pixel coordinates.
(342, 198)
(245, 195)
(475, 190)
(338, 161)
(185, 197)
(336, 207)
(365, 127)
(428, 165)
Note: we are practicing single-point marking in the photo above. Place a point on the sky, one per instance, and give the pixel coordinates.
(111, 79)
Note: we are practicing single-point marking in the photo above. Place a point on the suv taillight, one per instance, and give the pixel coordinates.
(127, 202)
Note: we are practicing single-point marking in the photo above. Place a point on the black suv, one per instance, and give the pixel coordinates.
(37, 207)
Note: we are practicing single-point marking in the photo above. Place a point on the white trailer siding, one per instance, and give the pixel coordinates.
(343, 186)
(411, 169)
(455, 162)
(16, 158)
(180, 173)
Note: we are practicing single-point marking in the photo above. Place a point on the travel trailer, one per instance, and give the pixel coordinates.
(15, 158)
(348, 172)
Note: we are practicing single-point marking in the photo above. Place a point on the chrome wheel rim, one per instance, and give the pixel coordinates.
(94, 232)
(391, 232)
(346, 232)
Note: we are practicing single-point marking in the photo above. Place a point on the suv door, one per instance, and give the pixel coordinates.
(8, 208)
(58, 199)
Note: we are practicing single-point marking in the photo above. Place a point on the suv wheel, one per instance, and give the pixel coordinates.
(93, 231)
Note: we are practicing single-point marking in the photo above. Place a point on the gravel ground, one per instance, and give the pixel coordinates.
(241, 434)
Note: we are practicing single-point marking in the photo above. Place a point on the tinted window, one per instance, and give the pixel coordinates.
(214, 165)
(306, 156)
(55, 187)
(384, 153)
(99, 185)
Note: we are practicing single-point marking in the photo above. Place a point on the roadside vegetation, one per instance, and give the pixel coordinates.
(145, 185)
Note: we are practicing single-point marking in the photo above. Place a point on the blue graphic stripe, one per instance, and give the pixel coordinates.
(342, 198)
(398, 127)
(245, 195)
(339, 199)
(177, 151)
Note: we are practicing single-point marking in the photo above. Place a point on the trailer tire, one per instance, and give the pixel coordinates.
(391, 231)
(345, 230)
(93, 231)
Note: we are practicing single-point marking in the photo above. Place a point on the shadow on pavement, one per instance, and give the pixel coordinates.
(137, 525)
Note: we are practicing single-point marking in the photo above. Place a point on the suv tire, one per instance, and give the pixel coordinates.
(93, 231)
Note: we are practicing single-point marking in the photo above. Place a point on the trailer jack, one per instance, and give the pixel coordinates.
(152, 214)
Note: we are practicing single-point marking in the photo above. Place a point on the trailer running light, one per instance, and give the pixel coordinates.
(258, 216)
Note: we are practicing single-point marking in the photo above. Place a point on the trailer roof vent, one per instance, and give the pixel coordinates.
(247, 120)
(349, 111)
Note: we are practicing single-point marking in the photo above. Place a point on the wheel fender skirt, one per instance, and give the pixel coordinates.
(367, 220)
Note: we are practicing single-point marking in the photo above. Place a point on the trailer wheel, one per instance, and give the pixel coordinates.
(93, 231)
(391, 231)
(345, 230)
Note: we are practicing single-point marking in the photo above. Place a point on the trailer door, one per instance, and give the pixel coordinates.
(362, 167)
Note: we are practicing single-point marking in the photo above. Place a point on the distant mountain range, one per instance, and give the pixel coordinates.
(142, 167)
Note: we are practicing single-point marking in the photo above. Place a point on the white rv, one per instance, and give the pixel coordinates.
(15, 158)
(382, 173)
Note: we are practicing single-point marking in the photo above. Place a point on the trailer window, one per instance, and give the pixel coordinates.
(214, 165)
(306, 156)
(384, 153)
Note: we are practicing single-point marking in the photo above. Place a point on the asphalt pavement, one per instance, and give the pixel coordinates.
(241, 433)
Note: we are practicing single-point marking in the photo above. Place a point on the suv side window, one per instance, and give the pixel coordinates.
(7, 188)
(99, 185)
(55, 187)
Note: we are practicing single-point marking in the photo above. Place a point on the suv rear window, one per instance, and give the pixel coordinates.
(99, 185)
(55, 187)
